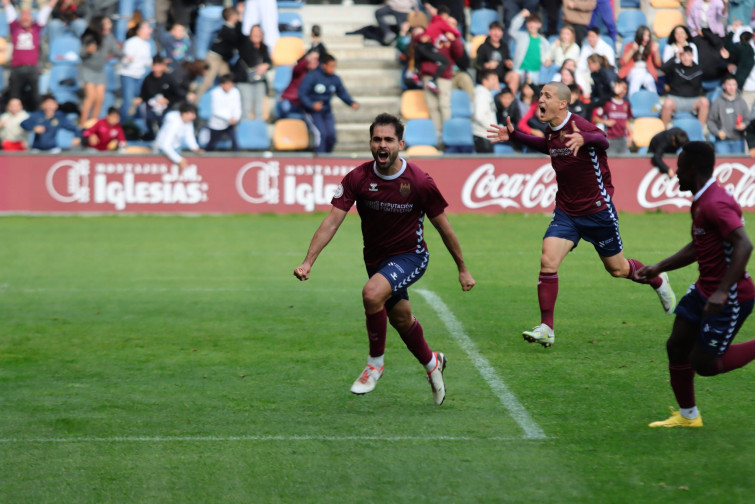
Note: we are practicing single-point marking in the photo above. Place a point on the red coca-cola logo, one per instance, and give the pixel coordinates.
(484, 187)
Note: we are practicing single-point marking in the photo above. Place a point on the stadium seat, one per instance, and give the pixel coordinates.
(644, 129)
(287, 51)
(421, 150)
(64, 50)
(252, 134)
(665, 20)
(503, 148)
(209, 21)
(64, 83)
(480, 19)
(461, 104)
(630, 4)
(290, 134)
(420, 132)
(137, 149)
(290, 24)
(628, 22)
(477, 41)
(457, 136)
(665, 4)
(413, 105)
(204, 108)
(282, 78)
(645, 103)
(692, 126)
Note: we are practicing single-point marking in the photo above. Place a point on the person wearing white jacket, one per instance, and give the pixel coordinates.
(135, 65)
(593, 45)
(225, 113)
(484, 109)
(177, 129)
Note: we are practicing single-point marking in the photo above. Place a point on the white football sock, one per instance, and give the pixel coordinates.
(689, 413)
(376, 362)
(431, 365)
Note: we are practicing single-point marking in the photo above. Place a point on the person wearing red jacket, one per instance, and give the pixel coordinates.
(106, 134)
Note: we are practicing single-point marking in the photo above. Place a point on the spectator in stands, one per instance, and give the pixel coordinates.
(576, 105)
(532, 49)
(640, 62)
(251, 73)
(679, 38)
(135, 64)
(45, 124)
(493, 54)
(728, 119)
(289, 102)
(666, 142)
(317, 44)
(265, 14)
(225, 113)
(707, 23)
(566, 74)
(529, 123)
(97, 47)
(684, 80)
(157, 94)
(603, 77)
(578, 14)
(564, 48)
(176, 46)
(455, 9)
(511, 8)
(743, 57)
(507, 106)
(526, 98)
(12, 136)
(106, 134)
(484, 109)
(222, 50)
(398, 10)
(315, 92)
(439, 32)
(604, 11)
(594, 45)
(177, 130)
(24, 67)
(68, 16)
(615, 115)
(185, 78)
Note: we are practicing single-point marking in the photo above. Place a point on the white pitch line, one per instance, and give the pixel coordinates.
(191, 439)
(507, 398)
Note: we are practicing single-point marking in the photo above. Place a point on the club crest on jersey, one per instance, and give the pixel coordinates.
(405, 189)
(373, 186)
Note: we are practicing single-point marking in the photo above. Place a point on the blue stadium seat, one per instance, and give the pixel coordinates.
(461, 104)
(692, 126)
(628, 22)
(64, 50)
(282, 78)
(290, 24)
(503, 148)
(420, 132)
(630, 4)
(252, 134)
(64, 84)
(645, 103)
(457, 136)
(209, 21)
(480, 19)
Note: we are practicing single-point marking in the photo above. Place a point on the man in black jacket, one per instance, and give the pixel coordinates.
(666, 142)
(684, 79)
(493, 54)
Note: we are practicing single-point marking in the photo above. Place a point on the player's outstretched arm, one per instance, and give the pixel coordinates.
(321, 238)
(686, 256)
(742, 249)
(448, 235)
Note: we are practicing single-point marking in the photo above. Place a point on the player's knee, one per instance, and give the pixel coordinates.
(548, 265)
(372, 298)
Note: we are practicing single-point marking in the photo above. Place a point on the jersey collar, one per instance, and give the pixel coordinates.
(390, 177)
(706, 186)
(557, 128)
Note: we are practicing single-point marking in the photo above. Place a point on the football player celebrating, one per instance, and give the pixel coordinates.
(715, 307)
(584, 208)
(392, 198)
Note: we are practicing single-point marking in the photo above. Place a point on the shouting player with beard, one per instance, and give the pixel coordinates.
(584, 208)
(392, 198)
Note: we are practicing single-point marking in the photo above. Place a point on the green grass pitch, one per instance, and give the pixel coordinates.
(177, 359)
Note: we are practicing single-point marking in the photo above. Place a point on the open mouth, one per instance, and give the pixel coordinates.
(541, 110)
(383, 156)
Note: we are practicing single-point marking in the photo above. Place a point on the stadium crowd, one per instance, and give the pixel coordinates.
(106, 74)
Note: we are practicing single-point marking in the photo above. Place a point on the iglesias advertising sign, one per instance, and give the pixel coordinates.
(151, 184)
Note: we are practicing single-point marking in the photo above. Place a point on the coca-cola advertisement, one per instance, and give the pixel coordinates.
(214, 184)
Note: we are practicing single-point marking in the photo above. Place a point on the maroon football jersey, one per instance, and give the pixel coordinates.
(392, 208)
(619, 112)
(584, 180)
(715, 214)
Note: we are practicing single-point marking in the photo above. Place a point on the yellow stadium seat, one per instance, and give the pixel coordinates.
(477, 41)
(421, 150)
(665, 20)
(413, 105)
(290, 134)
(137, 149)
(287, 51)
(665, 4)
(644, 129)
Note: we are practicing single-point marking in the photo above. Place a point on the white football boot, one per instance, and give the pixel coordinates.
(666, 294)
(540, 334)
(367, 380)
(435, 378)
